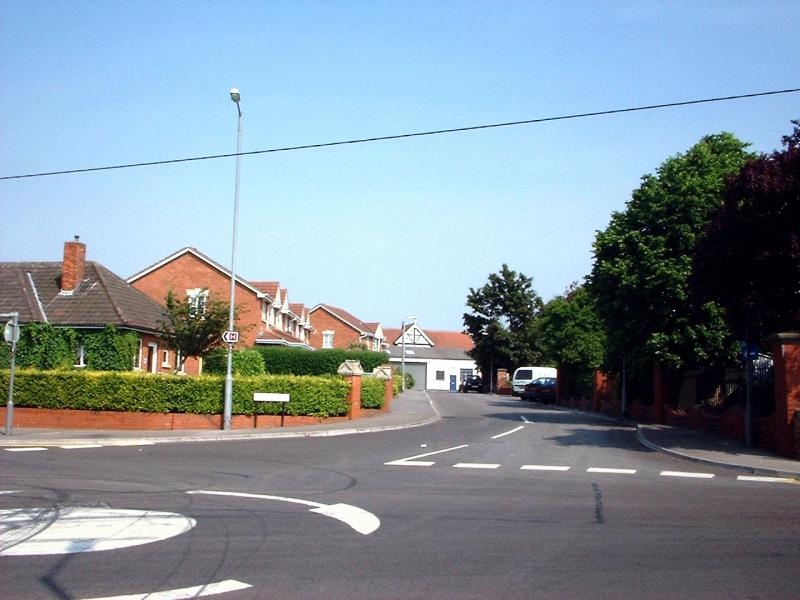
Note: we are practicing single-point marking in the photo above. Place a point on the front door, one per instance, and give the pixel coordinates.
(453, 383)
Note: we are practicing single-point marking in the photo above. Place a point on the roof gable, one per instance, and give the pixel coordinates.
(202, 258)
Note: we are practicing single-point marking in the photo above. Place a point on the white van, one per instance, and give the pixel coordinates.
(525, 375)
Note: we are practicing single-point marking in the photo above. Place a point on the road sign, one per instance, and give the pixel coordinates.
(11, 332)
(230, 337)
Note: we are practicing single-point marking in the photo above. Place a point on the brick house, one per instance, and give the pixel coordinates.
(264, 314)
(336, 328)
(85, 296)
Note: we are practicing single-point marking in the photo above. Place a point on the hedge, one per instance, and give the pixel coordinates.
(373, 391)
(299, 361)
(141, 392)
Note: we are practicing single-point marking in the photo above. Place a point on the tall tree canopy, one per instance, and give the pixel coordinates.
(749, 259)
(501, 321)
(643, 262)
(573, 337)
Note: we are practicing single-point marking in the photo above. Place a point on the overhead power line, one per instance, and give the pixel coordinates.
(407, 135)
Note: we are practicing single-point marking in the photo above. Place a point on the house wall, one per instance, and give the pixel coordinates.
(344, 335)
(189, 272)
(450, 367)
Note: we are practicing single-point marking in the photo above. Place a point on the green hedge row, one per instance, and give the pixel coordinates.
(137, 392)
(298, 361)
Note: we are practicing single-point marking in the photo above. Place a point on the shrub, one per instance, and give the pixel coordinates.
(143, 392)
(299, 361)
(109, 349)
(373, 391)
(245, 362)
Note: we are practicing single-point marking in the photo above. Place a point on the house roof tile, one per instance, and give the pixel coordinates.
(34, 290)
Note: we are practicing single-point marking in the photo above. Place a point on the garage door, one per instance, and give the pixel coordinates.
(420, 373)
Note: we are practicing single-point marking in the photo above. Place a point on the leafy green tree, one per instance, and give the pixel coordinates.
(191, 329)
(501, 323)
(749, 258)
(643, 262)
(573, 337)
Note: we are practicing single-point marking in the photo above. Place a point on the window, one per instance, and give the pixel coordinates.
(165, 358)
(464, 373)
(376, 345)
(197, 301)
(439, 375)
(81, 357)
(137, 357)
(327, 339)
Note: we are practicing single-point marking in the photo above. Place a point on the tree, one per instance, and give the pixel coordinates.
(193, 329)
(572, 337)
(749, 258)
(643, 263)
(501, 322)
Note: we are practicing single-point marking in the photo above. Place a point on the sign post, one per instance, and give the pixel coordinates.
(11, 336)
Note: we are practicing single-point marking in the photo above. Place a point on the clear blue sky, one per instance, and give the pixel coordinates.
(389, 229)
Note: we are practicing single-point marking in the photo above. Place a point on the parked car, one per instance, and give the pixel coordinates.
(541, 390)
(473, 383)
(525, 375)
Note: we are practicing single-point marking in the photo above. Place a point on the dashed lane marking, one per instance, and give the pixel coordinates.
(476, 466)
(762, 479)
(610, 470)
(26, 449)
(544, 468)
(687, 474)
(80, 446)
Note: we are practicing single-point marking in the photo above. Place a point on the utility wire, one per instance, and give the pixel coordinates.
(408, 135)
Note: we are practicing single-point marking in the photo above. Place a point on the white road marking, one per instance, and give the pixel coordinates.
(544, 468)
(476, 466)
(362, 521)
(129, 443)
(410, 460)
(69, 530)
(26, 449)
(509, 432)
(80, 446)
(209, 589)
(687, 474)
(766, 479)
(525, 419)
(607, 470)
(2, 492)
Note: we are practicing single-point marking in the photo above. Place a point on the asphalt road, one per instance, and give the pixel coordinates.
(498, 499)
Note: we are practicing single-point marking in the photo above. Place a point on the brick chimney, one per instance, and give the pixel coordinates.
(73, 269)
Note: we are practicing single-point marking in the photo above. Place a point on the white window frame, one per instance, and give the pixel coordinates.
(327, 339)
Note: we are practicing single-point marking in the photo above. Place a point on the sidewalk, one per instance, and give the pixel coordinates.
(414, 408)
(411, 409)
(703, 447)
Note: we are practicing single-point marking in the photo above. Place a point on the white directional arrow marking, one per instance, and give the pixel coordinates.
(362, 521)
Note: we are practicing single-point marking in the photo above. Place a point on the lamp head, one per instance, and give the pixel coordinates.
(235, 96)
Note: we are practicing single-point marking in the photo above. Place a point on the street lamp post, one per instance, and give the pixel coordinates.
(226, 411)
(403, 346)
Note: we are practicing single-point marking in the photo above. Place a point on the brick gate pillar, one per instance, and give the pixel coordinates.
(785, 421)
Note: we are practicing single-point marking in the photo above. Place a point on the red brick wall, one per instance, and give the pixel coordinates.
(344, 335)
(189, 272)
